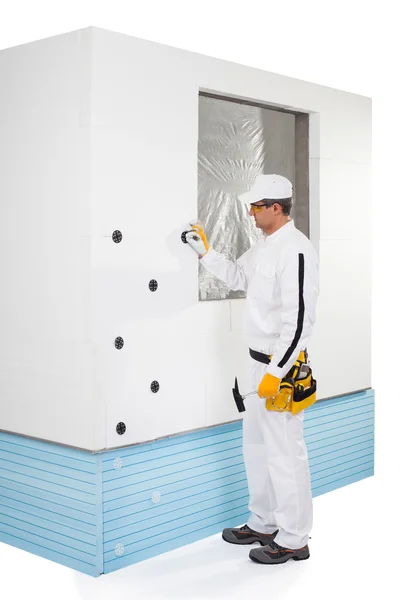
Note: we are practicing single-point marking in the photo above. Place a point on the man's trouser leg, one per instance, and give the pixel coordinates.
(277, 469)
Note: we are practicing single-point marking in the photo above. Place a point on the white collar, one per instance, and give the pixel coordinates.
(286, 227)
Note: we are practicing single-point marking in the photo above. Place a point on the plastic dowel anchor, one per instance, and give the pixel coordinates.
(183, 236)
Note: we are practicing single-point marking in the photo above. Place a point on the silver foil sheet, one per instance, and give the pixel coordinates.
(236, 143)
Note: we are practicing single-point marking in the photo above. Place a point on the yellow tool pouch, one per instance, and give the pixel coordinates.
(298, 389)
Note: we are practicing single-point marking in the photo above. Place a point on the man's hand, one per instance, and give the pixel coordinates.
(197, 238)
(269, 386)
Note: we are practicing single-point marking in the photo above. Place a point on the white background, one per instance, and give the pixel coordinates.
(344, 45)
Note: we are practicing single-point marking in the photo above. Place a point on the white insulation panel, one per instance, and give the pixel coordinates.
(99, 133)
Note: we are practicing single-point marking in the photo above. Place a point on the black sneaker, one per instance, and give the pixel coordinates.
(273, 554)
(245, 535)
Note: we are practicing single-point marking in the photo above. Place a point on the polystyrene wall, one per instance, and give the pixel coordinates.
(138, 114)
(45, 240)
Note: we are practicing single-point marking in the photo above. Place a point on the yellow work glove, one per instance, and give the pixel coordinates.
(196, 238)
(269, 386)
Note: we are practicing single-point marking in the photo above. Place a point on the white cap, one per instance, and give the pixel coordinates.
(268, 187)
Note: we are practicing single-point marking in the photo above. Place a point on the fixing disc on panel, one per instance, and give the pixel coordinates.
(153, 285)
(119, 343)
(155, 386)
(183, 236)
(117, 236)
(121, 428)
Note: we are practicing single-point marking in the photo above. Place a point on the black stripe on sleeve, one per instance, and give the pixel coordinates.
(300, 314)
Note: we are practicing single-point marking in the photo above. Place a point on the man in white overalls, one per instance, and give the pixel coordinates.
(280, 276)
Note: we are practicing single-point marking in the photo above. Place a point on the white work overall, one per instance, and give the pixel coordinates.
(280, 276)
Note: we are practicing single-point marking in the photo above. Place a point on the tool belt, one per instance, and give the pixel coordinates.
(298, 389)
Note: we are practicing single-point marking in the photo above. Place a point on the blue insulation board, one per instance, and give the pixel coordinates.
(97, 513)
(49, 496)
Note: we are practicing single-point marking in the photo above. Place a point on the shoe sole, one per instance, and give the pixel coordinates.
(278, 561)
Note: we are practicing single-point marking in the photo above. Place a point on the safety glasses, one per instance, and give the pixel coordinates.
(259, 207)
